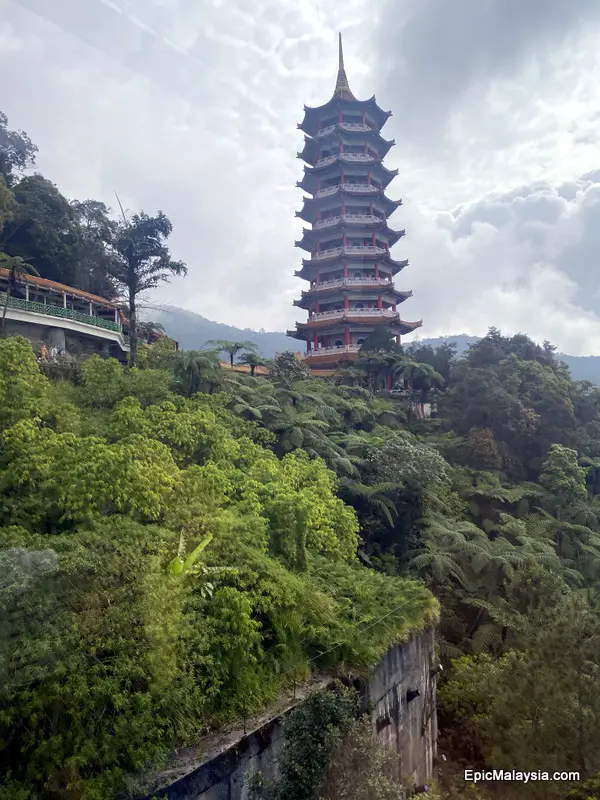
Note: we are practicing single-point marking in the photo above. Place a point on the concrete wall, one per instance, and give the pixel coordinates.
(404, 721)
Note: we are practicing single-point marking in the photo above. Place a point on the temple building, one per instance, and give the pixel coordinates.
(349, 268)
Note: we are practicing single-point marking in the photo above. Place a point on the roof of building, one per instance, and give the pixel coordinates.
(44, 283)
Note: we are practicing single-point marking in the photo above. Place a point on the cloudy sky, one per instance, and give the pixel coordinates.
(191, 106)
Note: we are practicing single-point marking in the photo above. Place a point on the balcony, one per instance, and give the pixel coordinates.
(349, 281)
(375, 313)
(59, 311)
(324, 351)
(353, 219)
(353, 250)
(358, 188)
(364, 158)
(19, 309)
(352, 127)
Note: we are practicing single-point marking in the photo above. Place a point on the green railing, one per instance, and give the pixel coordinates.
(59, 311)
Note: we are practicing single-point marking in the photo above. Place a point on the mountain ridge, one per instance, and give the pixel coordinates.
(193, 330)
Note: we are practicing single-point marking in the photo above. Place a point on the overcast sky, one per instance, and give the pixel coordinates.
(191, 106)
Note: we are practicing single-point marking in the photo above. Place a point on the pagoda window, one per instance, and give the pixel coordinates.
(360, 341)
(339, 343)
(358, 274)
(359, 305)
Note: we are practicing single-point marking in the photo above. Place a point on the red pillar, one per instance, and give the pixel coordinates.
(317, 307)
(308, 345)
(398, 341)
(345, 270)
(393, 306)
(371, 208)
(343, 206)
(373, 240)
(389, 382)
(316, 341)
(369, 179)
(379, 302)
(346, 335)
(363, 118)
(346, 302)
(345, 240)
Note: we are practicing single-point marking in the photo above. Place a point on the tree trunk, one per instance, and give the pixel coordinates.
(132, 329)
(231, 360)
(5, 309)
(252, 368)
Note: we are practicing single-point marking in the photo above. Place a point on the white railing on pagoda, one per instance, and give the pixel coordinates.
(356, 219)
(345, 348)
(353, 312)
(350, 250)
(349, 281)
(348, 187)
(350, 157)
(359, 127)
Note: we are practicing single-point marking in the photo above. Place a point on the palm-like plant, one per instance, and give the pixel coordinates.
(18, 269)
(253, 360)
(198, 369)
(146, 331)
(232, 348)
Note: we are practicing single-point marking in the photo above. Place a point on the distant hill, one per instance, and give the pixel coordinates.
(192, 331)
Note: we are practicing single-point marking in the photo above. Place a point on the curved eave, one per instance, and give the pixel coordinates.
(311, 205)
(311, 176)
(310, 237)
(354, 319)
(308, 299)
(310, 268)
(381, 258)
(310, 151)
(405, 327)
(314, 114)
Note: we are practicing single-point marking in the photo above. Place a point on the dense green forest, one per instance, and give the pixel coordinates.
(180, 542)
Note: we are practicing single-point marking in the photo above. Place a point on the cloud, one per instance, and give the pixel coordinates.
(525, 260)
(192, 108)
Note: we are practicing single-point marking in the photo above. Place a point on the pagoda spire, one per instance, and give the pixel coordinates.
(342, 87)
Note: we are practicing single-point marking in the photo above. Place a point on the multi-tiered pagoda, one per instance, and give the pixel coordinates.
(349, 269)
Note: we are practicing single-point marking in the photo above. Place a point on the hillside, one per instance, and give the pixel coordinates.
(192, 331)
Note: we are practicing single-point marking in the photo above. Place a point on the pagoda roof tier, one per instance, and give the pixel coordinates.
(369, 317)
(310, 268)
(370, 222)
(332, 288)
(331, 134)
(363, 253)
(333, 165)
(342, 100)
(312, 205)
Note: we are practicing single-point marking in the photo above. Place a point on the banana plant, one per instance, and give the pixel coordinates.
(181, 566)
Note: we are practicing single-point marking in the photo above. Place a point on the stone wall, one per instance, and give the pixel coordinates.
(399, 696)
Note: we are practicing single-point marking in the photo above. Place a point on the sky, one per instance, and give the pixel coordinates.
(192, 108)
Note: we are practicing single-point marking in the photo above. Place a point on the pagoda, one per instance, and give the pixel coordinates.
(349, 268)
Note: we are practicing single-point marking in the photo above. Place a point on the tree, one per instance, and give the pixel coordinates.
(144, 262)
(44, 230)
(8, 204)
(253, 361)
(95, 254)
(17, 151)
(233, 348)
(18, 269)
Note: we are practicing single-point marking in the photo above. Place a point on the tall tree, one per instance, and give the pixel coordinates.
(144, 261)
(44, 230)
(17, 151)
(96, 256)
